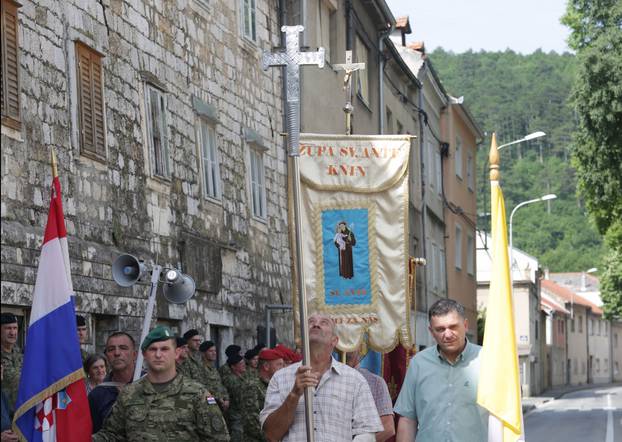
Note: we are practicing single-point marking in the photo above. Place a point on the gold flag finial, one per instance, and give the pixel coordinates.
(54, 164)
(493, 157)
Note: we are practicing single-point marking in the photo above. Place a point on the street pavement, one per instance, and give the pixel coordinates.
(589, 415)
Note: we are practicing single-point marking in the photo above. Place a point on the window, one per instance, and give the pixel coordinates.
(400, 128)
(536, 331)
(430, 164)
(575, 366)
(157, 138)
(470, 175)
(91, 102)
(458, 158)
(470, 252)
(615, 340)
(326, 20)
(362, 81)
(435, 267)
(258, 186)
(572, 325)
(210, 166)
(10, 65)
(458, 257)
(580, 323)
(248, 19)
(438, 170)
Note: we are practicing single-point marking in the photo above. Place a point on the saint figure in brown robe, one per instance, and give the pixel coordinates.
(344, 241)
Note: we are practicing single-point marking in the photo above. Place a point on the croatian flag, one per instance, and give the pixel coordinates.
(51, 402)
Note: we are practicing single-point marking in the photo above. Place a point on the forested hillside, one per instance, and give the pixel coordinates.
(513, 95)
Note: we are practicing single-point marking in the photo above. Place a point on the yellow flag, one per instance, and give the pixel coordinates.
(499, 389)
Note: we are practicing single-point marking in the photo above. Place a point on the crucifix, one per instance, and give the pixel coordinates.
(292, 58)
(350, 68)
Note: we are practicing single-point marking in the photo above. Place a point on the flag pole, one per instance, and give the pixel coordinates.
(53, 163)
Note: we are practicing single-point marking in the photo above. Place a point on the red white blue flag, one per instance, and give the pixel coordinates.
(51, 402)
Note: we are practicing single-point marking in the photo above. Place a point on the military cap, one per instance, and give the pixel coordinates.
(158, 334)
(206, 345)
(191, 334)
(233, 350)
(234, 359)
(8, 318)
(250, 354)
(268, 354)
(283, 351)
(80, 321)
(181, 341)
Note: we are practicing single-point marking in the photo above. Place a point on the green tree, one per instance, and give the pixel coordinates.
(596, 35)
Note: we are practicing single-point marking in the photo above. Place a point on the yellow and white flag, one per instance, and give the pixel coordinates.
(499, 389)
(354, 218)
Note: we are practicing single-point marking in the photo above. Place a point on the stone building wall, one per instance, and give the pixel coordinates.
(194, 51)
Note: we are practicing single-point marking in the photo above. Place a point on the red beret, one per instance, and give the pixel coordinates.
(269, 355)
(296, 357)
(283, 351)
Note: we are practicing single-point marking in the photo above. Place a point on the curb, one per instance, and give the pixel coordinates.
(554, 395)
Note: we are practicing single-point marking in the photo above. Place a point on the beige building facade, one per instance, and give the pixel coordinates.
(459, 159)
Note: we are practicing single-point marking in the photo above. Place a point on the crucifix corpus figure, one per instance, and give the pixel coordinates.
(350, 68)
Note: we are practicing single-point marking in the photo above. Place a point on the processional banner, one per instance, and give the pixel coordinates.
(354, 216)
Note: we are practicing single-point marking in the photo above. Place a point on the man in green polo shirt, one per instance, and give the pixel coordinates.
(437, 401)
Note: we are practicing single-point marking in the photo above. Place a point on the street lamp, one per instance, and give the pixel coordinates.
(531, 136)
(550, 196)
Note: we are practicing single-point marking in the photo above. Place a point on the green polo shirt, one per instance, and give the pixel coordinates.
(442, 397)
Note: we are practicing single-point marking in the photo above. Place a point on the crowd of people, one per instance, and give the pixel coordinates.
(257, 396)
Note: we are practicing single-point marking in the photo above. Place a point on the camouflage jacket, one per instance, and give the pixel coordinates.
(253, 397)
(214, 383)
(182, 411)
(189, 368)
(234, 386)
(12, 362)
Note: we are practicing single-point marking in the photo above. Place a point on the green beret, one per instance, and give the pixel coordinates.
(160, 333)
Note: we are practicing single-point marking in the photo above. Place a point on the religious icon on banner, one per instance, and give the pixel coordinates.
(346, 261)
(344, 241)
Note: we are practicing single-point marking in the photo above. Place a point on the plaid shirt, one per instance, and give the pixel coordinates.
(343, 406)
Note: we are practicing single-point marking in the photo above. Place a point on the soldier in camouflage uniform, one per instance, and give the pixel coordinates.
(12, 358)
(194, 340)
(254, 394)
(164, 405)
(234, 384)
(224, 369)
(212, 377)
(83, 335)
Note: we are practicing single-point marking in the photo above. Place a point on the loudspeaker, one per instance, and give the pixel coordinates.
(178, 288)
(127, 270)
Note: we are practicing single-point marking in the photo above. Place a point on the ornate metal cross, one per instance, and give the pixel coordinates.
(349, 67)
(292, 58)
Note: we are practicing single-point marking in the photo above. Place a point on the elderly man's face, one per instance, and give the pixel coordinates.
(8, 334)
(322, 330)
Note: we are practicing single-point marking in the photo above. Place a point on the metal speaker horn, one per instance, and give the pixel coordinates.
(178, 288)
(127, 270)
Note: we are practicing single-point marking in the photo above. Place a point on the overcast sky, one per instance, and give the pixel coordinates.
(491, 25)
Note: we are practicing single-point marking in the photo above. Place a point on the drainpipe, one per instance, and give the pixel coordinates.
(381, 64)
(424, 211)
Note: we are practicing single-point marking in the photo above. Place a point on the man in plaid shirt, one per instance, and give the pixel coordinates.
(343, 407)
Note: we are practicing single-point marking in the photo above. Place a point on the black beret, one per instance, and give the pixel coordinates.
(191, 333)
(233, 350)
(181, 341)
(206, 345)
(250, 354)
(80, 321)
(234, 359)
(8, 318)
